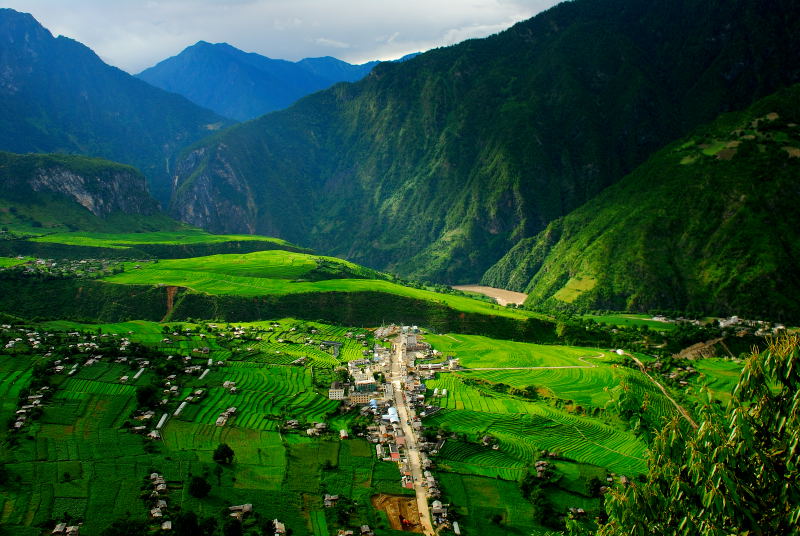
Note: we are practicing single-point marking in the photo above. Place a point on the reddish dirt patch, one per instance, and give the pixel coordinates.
(171, 292)
(401, 510)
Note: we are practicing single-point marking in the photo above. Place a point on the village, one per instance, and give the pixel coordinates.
(382, 379)
(68, 268)
(390, 388)
(385, 385)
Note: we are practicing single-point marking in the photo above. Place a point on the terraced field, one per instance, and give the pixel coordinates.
(475, 351)
(124, 240)
(471, 458)
(585, 387)
(263, 392)
(720, 376)
(522, 436)
(79, 458)
(490, 397)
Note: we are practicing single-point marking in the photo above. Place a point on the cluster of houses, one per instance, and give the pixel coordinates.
(223, 418)
(27, 405)
(69, 530)
(68, 267)
(363, 385)
(158, 500)
(240, 511)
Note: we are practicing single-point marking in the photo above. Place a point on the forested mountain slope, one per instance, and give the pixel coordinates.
(710, 223)
(56, 95)
(45, 192)
(436, 167)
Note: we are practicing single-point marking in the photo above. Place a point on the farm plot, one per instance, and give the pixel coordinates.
(522, 436)
(263, 392)
(475, 351)
(471, 458)
(479, 500)
(719, 375)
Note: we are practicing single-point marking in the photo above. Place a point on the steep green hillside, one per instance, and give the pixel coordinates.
(709, 223)
(435, 167)
(40, 193)
(56, 95)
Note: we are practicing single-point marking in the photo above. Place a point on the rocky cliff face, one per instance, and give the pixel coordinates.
(100, 186)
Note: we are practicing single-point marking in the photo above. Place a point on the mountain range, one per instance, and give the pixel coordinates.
(542, 159)
(243, 85)
(435, 168)
(56, 95)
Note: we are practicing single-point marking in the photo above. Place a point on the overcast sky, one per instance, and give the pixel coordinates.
(135, 34)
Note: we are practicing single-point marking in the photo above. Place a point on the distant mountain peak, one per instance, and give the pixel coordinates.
(243, 85)
(16, 26)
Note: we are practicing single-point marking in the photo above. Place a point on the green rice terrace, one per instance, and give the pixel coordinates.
(93, 393)
(511, 405)
(81, 454)
(144, 359)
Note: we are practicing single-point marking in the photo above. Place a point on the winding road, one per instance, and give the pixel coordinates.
(406, 414)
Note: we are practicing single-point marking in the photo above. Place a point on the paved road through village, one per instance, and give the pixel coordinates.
(412, 451)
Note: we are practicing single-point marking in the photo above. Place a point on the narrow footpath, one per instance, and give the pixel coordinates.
(680, 409)
(406, 414)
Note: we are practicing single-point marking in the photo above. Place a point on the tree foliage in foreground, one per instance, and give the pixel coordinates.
(737, 474)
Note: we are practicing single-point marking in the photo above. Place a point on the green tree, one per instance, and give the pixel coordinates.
(199, 487)
(232, 527)
(737, 473)
(147, 395)
(223, 454)
(185, 524)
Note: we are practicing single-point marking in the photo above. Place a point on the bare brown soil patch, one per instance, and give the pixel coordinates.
(171, 292)
(401, 510)
(502, 296)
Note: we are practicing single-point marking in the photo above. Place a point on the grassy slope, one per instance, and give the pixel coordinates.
(5, 262)
(275, 280)
(708, 223)
(629, 320)
(273, 273)
(124, 240)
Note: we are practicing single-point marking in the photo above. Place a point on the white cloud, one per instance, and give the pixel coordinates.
(330, 43)
(133, 35)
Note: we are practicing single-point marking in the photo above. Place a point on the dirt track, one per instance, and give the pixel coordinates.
(502, 296)
(397, 508)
